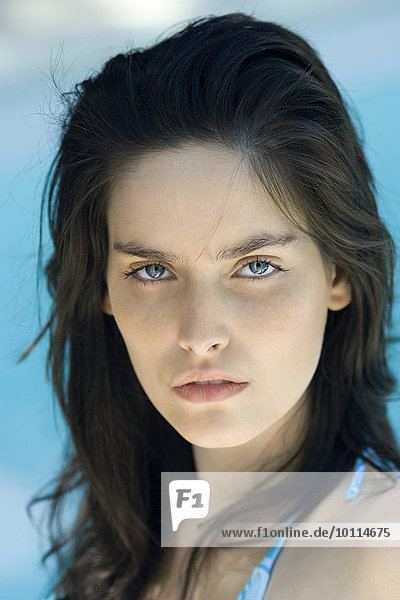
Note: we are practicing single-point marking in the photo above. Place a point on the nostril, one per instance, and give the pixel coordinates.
(203, 338)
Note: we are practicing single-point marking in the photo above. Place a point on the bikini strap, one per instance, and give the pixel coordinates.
(358, 475)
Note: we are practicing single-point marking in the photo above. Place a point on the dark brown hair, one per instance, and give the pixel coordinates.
(262, 91)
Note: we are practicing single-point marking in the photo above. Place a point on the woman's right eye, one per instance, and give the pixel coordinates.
(148, 273)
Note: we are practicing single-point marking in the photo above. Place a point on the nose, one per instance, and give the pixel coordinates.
(203, 327)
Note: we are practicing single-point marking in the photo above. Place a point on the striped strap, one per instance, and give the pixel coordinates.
(258, 582)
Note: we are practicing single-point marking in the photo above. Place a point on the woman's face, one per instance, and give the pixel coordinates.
(205, 280)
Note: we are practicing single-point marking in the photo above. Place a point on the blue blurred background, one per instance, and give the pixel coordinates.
(357, 39)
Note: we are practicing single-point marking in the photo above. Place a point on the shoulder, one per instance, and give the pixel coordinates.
(377, 573)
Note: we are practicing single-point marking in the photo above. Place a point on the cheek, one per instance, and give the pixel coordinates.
(143, 318)
(291, 315)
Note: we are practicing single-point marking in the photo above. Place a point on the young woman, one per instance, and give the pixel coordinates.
(222, 286)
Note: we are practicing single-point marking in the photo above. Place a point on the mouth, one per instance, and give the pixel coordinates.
(211, 382)
(203, 386)
(206, 377)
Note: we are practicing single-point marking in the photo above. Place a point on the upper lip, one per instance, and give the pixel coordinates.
(191, 376)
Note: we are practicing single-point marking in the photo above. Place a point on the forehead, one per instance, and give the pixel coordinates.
(191, 197)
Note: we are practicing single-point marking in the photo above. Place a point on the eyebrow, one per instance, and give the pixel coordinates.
(245, 246)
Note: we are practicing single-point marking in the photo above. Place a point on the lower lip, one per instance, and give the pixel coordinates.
(209, 393)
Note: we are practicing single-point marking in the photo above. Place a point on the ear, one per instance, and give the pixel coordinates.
(340, 295)
(106, 304)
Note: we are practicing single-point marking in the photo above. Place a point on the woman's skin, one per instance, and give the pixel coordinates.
(262, 324)
(194, 202)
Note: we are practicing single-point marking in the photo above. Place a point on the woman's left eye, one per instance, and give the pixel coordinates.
(258, 269)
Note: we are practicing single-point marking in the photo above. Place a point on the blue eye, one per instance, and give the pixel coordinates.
(148, 273)
(154, 271)
(259, 268)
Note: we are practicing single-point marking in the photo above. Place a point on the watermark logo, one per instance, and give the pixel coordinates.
(188, 499)
(256, 509)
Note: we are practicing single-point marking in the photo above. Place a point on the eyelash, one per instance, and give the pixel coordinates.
(132, 272)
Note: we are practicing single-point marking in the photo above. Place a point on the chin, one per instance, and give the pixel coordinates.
(216, 439)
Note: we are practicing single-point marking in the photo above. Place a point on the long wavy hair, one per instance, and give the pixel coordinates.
(258, 89)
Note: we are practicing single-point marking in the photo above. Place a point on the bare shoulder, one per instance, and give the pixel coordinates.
(378, 503)
(378, 573)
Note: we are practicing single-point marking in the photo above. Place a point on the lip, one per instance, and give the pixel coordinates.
(204, 375)
(198, 393)
(185, 387)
